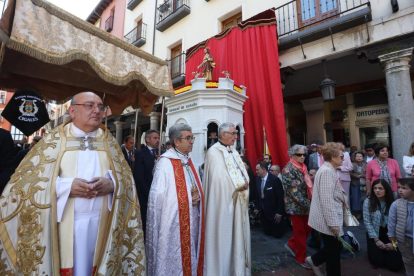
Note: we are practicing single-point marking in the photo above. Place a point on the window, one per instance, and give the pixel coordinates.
(1, 117)
(16, 133)
(312, 11)
(231, 22)
(176, 61)
(139, 29)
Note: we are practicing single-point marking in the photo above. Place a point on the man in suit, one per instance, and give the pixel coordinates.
(270, 202)
(128, 150)
(142, 171)
(268, 160)
(369, 149)
(316, 159)
(7, 156)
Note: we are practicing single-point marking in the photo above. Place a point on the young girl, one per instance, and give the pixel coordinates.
(381, 252)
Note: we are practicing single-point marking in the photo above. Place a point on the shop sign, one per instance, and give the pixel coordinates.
(372, 112)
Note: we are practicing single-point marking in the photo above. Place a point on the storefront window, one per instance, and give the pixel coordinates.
(338, 135)
(379, 135)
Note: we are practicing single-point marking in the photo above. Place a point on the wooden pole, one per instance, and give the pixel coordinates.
(161, 123)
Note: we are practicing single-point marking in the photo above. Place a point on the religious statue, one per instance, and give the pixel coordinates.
(208, 64)
(226, 74)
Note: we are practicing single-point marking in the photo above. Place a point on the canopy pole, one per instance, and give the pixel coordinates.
(135, 136)
(161, 123)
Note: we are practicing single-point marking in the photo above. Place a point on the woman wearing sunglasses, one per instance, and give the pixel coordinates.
(297, 185)
(326, 212)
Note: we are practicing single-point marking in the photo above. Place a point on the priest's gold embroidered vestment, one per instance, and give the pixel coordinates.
(29, 239)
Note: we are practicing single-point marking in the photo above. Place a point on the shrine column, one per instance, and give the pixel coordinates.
(155, 121)
(315, 119)
(400, 101)
(119, 129)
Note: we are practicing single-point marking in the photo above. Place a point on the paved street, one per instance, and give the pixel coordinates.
(271, 258)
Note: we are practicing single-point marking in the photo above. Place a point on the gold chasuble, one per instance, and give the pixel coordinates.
(32, 242)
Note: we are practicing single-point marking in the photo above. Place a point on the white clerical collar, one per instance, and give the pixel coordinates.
(80, 133)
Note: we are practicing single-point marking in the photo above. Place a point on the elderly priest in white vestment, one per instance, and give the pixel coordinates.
(175, 224)
(71, 207)
(226, 195)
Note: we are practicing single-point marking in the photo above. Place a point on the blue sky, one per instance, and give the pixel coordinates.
(80, 8)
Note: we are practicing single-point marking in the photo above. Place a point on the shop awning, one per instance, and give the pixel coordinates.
(48, 50)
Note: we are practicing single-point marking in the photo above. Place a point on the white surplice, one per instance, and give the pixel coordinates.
(227, 240)
(163, 243)
(87, 211)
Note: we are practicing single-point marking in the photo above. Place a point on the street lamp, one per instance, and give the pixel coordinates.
(327, 87)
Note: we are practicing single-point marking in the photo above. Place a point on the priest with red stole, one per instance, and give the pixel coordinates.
(175, 224)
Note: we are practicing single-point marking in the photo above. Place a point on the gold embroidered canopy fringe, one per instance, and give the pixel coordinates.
(46, 49)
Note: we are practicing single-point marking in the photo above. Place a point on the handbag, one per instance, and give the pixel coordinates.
(349, 218)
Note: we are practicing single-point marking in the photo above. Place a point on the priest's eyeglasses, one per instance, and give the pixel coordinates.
(189, 138)
(92, 106)
(232, 133)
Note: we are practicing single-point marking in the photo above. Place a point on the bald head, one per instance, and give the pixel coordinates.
(275, 170)
(84, 111)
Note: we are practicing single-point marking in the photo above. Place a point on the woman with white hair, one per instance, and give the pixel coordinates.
(298, 192)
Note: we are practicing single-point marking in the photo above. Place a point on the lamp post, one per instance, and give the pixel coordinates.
(327, 86)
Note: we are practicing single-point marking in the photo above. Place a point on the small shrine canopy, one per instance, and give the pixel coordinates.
(52, 52)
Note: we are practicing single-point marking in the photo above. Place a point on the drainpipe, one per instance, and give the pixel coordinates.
(155, 22)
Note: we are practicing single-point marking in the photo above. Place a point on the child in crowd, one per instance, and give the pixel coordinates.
(400, 222)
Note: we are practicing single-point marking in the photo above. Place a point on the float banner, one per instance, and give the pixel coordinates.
(26, 111)
(249, 51)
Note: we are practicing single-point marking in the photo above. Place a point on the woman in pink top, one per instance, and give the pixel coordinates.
(383, 167)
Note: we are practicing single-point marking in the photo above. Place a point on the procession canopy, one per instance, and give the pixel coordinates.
(49, 50)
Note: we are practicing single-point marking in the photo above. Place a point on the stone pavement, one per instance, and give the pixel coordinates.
(269, 257)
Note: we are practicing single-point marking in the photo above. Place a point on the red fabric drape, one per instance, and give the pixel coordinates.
(251, 56)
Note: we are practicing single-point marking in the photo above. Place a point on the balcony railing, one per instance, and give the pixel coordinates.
(132, 4)
(109, 24)
(177, 70)
(176, 66)
(170, 12)
(137, 36)
(325, 15)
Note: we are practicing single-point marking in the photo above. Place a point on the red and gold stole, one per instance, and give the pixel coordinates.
(184, 215)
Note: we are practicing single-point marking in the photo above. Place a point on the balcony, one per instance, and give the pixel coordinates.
(303, 21)
(170, 12)
(138, 35)
(177, 70)
(132, 4)
(109, 24)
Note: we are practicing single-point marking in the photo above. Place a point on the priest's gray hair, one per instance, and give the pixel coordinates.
(297, 148)
(175, 132)
(223, 128)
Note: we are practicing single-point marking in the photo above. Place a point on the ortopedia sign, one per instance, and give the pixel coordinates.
(372, 112)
